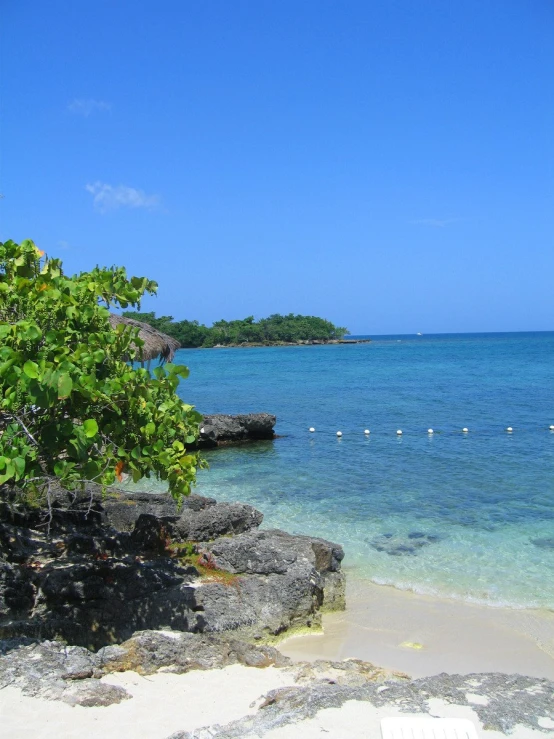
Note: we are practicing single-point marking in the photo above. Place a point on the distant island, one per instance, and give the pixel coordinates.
(277, 330)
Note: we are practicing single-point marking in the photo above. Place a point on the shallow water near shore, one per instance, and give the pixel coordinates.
(459, 515)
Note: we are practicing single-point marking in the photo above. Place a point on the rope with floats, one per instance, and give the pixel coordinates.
(432, 432)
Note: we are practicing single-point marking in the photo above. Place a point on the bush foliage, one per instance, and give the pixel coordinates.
(273, 330)
(72, 406)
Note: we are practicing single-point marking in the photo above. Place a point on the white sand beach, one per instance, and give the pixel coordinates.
(161, 705)
(164, 703)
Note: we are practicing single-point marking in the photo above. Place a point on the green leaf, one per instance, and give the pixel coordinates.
(19, 465)
(65, 386)
(91, 428)
(10, 472)
(33, 333)
(31, 369)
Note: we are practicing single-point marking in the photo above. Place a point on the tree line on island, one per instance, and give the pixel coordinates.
(276, 329)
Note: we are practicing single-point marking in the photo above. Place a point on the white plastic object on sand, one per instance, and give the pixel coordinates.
(425, 727)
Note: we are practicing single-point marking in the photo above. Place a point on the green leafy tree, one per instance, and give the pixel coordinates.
(275, 329)
(72, 406)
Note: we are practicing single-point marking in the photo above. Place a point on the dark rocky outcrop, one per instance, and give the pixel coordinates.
(222, 430)
(103, 568)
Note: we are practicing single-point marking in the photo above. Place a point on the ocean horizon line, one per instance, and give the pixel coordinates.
(431, 334)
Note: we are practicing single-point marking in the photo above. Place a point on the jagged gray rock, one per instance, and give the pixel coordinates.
(512, 700)
(217, 430)
(112, 566)
(178, 652)
(54, 671)
(289, 575)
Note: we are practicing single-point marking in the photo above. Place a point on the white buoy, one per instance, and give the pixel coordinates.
(509, 429)
(339, 433)
(312, 429)
(430, 431)
(367, 431)
(551, 428)
(399, 432)
(464, 430)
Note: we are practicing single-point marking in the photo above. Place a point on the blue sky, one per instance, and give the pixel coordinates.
(386, 165)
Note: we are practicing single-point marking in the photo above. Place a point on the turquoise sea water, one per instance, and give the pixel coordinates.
(467, 516)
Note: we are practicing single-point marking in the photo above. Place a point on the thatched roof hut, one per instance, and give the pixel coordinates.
(156, 344)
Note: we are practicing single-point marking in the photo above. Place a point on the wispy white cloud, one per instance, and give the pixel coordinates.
(107, 197)
(434, 222)
(85, 107)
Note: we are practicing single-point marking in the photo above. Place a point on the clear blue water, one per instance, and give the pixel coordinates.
(467, 516)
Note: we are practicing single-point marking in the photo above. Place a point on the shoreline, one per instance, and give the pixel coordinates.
(278, 344)
(397, 631)
(425, 635)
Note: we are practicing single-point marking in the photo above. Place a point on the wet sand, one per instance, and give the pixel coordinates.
(423, 636)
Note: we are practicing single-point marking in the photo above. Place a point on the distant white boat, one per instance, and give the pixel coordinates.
(418, 334)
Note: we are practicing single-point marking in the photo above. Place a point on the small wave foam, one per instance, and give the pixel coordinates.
(433, 592)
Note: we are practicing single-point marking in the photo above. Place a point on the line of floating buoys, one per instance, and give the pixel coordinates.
(399, 432)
